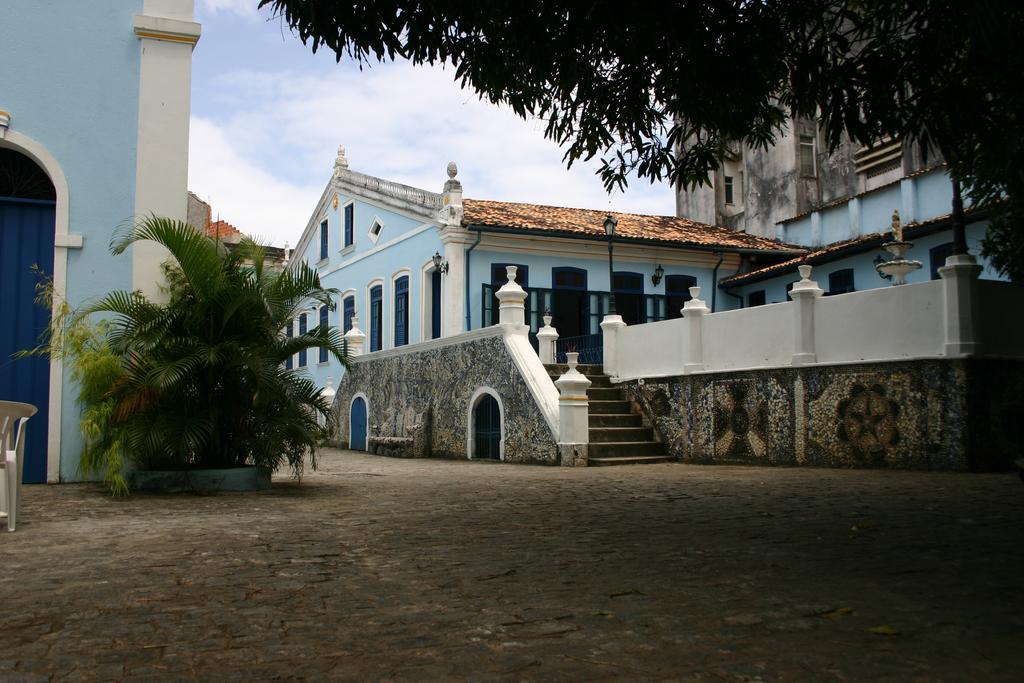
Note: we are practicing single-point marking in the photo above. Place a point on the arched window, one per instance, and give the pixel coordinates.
(323, 326)
(677, 293)
(840, 281)
(629, 297)
(323, 240)
(376, 317)
(937, 257)
(348, 311)
(402, 311)
(289, 332)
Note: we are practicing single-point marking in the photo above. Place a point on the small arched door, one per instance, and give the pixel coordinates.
(357, 425)
(27, 226)
(487, 429)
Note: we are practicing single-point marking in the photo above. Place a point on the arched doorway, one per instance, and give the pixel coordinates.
(487, 428)
(27, 228)
(357, 424)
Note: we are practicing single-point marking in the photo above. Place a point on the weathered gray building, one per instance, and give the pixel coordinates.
(755, 189)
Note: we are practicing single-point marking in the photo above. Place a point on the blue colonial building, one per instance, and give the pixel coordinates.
(412, 265)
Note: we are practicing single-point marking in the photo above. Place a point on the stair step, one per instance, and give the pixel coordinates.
(628, 420)
(629, 460)
(625, 449)
(610, 407)
(604, 394)
(620, 434)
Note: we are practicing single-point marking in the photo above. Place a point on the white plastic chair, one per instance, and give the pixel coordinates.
(13, 418)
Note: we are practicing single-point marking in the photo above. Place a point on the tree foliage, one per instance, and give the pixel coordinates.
(630, 84)
(198, 380)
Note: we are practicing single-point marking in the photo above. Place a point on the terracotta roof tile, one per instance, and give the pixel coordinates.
(631, 226)
(223, 230)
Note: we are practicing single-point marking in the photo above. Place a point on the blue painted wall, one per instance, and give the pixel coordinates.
(70, 81)
(404, 246)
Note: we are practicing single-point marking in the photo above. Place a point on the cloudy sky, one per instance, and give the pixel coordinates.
(268, 116)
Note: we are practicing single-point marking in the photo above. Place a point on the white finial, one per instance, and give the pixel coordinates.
(510, 271)
(341, 161)
(805, 272)
(452, 184)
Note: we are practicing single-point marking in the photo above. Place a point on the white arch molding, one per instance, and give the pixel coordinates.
(471, 421)
(62, 241)
(366, 402)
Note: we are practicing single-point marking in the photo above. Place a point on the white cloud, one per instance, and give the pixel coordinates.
(264, 160)
(242, 8)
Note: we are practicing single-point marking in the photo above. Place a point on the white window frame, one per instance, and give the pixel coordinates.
(369, 233)
(471, 422)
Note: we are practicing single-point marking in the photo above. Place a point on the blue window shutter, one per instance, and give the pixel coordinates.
(290, 332)
(349, 223)
(323, 326)
(402, 311)
(302, 331)
(323, 240)
(376, 309)
(349, 311)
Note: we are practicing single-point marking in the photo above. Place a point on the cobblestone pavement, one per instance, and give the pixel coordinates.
(374, 568)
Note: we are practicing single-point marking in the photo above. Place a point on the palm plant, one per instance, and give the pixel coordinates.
(202, 380)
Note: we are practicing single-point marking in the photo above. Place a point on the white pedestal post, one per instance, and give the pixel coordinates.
(959, 276)
(610, 327)
(546, 338)
(511, 312)
(355, 338)
(804, 294)
(693, 312)
(573, 415)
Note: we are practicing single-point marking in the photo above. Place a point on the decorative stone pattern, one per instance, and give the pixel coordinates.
(425, 396)
(928, 414)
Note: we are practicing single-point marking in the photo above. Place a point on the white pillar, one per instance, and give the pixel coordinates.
(455, 239)
(610, 327)
(804, 294)
(546, 338)
(573, 412)
(693, 312)
(167, 37)
(355, 338)
(511, 311)
(959, 276)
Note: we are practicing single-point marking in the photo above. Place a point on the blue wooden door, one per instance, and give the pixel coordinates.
(357, 426)
(26, 241)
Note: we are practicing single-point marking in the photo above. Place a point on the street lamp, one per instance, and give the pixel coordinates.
(609, 229)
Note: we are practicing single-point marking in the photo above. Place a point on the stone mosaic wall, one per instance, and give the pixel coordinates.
(436, 385)
(929, 414)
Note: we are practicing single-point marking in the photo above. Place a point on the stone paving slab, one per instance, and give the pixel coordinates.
(408, 570)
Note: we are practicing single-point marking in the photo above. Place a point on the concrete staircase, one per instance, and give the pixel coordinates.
(617, 435)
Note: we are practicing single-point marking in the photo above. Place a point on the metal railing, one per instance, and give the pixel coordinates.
(589, 346)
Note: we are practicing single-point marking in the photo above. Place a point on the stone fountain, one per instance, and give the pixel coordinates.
(897, 267)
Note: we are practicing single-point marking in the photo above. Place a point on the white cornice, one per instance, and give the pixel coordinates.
(167, 29)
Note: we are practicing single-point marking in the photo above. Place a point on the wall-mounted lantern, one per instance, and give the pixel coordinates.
(439, 263)
(659, 273)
